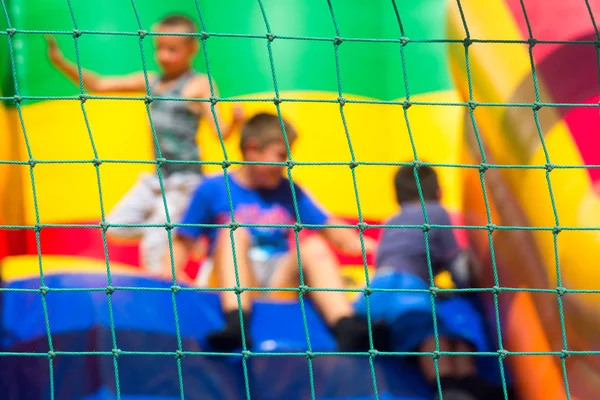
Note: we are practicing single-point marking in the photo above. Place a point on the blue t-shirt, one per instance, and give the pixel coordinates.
(210, 205)
(403, 249)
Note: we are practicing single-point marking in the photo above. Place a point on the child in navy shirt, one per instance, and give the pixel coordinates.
(402, 263)
(265, 256)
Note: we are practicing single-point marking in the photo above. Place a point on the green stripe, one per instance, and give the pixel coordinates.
(241, 65)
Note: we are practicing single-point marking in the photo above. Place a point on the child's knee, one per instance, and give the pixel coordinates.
(315, 247)
(241, 237)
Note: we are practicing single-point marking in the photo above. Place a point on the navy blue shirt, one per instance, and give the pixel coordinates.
(403, 249)
(210, 205)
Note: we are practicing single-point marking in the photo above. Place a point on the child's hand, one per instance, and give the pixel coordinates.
(238, 114)
(355, 249)
(54, 52)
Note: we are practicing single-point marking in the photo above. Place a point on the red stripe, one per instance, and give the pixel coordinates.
(584, 124)
(83, 242)
(553, 20)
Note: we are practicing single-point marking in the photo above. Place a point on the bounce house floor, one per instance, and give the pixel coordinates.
(141, 313)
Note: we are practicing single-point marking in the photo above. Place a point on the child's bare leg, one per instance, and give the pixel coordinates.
(426, 363)
(225, 269)
(320, 269)
(230, 337)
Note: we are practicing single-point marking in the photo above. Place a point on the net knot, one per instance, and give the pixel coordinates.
(290, 163)
(561, 291)
(116, 353)
(337, 41)
(204, 36)
(426, 227)
(148, 99)
(169, 226)
(298, 226)
(373, 353)
(76, 33)
(238, 290)
(310, 355)
(502, 354)
(276, 101)
(302, 289)
(342, 101)
(417, 164)
(142, 33)
(353, 164)
(32, 162)
(51, 355)
(536, 106)
(491, 227)
(226, 164)
(37, 228)
(404, 41)
(467, 41)
(564, 354)
(496, 289)
(213, 100)
(96, 162)
(362, 226)
(246, 354)
(437, 355)
(434, 290)
(11, 31)
(175, 289)
(234, 225)
(532, 41)
(17, 99)
(556, 230)
(83, 97)
(161, 161)
(104, 226)
(109, 290)
(597, 44)
(406, 104)
(368, 291)
(179, 354)
(549, 167)
(483, 167)
(270, 37)
(472, 104)
(44, 290)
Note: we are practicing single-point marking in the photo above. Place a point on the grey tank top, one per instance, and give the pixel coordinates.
(176, 127)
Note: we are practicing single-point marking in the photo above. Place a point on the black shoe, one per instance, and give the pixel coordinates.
(453, 389)
(229, 338)
(352, 334)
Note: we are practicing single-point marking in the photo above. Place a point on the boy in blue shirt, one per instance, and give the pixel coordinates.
(264, 256)
(402, 263)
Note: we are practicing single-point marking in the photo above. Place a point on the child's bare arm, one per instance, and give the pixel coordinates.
(347, 240)
(200, 88)
(91, 81)
(182, 247)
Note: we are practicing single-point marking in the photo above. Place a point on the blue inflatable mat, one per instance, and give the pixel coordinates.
(143, 321)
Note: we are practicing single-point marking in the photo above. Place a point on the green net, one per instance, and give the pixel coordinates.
(403, 41)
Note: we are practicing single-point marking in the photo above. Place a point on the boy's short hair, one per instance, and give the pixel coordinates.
(179, 20)
(265, 128)
(406, 184)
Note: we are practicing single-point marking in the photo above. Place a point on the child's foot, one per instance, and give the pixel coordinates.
(352, 334)
(229, 338)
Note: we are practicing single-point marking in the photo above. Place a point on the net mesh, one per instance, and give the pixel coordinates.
(268, 38)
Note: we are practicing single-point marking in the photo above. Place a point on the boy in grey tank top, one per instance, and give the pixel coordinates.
(176, 125)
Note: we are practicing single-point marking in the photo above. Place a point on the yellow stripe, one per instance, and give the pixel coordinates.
(69, 192)
(27, 267)
(496, 69)
(577, 205)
